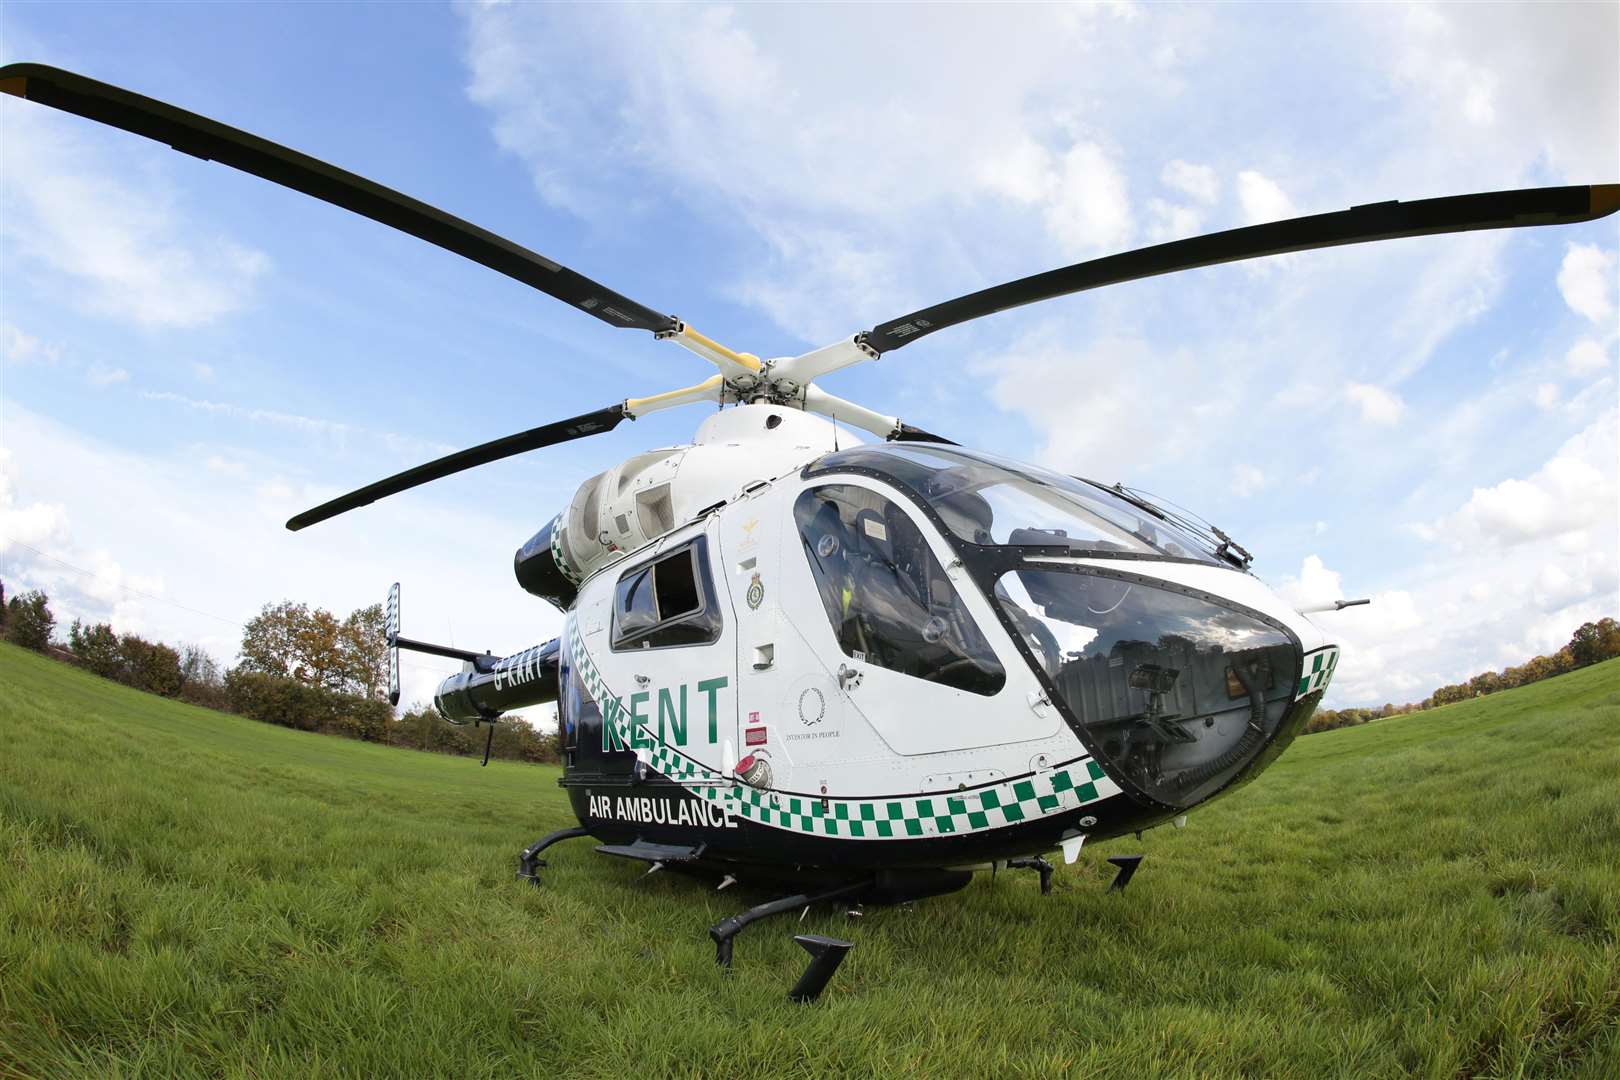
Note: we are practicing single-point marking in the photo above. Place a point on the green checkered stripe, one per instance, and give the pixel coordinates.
(1026, 798)
(945, 814)
(1319, 667)
(557, 552)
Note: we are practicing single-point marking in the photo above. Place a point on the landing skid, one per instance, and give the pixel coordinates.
(530, 860)
(826, 953)
(726, 930)
(1038, 864)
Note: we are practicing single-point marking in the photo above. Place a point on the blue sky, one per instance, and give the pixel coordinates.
(189, 355)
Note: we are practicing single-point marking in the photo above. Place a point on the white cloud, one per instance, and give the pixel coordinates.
(1089, 210)
(1172, 221)
(1314, 586)
(100, 374)
(1574, 491)
(1378, 405)
(20, 348)
(1585, 357)
(209, 547)
(1587, 281)
(805, 131)
(1263, 200)
(225, 466)
(73, 210)
(1199, 182)
(1547, 396)
(36, 543)
(1515, 570)
(1456, 83)
(333, 430)
(204, 372)
(36, 524)
(1247, 480)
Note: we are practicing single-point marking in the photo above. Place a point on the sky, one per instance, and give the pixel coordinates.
(189, 355)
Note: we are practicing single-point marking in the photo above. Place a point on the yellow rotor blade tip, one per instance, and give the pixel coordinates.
(1605, 198)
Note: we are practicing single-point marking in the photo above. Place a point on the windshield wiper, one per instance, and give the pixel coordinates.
(1231, 550)
(1222, 545)
(1134, 499)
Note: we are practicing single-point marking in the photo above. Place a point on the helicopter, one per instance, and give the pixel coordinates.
(860, 670)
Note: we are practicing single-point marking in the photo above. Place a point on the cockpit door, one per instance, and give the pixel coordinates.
(790, 712)
(903, 632)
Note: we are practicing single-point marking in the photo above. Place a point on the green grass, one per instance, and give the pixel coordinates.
(187, 893)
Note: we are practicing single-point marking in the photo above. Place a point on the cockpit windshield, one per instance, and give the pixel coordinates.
(987, 500)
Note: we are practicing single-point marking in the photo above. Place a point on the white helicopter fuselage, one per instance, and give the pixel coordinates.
(754, 715)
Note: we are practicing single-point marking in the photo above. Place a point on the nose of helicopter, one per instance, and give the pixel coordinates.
(1178, 690)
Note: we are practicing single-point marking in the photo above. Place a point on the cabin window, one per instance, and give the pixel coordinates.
(886, 594)
(667, 602)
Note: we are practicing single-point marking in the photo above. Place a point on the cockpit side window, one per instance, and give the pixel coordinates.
(886, 594)
(668, 602)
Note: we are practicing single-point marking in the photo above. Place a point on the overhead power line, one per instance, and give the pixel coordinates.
(120, 585)
(163, 600)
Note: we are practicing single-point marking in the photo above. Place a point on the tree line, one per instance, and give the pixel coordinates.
(305, 668)
(298, 667)
(1592, 643)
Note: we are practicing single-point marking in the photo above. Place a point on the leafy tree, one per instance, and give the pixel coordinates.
(1535, 670)
(321, 660)
(1595, 642)
(150, 666)
(97, 648)
(363, 643)
(269, 640)
(290, 702)
(201, 680)
(29, 621)
(294, 641)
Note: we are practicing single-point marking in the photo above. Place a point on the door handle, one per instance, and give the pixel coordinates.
(848, 678)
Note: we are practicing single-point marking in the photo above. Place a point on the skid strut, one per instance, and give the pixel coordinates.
(825, 955)
(1127, 869)
(726, 929)
(530, 860)
(1036, 863)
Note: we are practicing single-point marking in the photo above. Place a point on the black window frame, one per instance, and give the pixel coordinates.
(976, 646)
(706, 620)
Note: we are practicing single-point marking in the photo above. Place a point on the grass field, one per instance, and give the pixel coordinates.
(187, 893)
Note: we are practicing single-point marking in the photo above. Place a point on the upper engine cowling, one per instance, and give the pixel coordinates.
(629, 506)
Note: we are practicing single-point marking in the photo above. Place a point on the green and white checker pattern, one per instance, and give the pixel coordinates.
(557, 552)
(1318, 670)
(946, 814)
(1059, 790)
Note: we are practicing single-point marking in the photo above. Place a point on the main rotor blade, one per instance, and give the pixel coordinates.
(592, 423)
(213, 141)
(1360, 224)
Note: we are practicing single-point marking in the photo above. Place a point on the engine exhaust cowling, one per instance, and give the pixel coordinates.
(542, 567)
